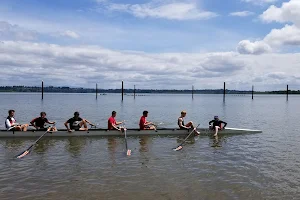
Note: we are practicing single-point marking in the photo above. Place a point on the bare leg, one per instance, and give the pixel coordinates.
(191, 124)
(18, 128)
(85, 128)
(25, 127)
(152, 128)
(216, 130)
(52, 129)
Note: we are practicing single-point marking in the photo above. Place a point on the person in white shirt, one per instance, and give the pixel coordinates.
(10, 123)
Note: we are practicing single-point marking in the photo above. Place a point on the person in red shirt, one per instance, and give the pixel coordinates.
(144, 124)
(112, 123)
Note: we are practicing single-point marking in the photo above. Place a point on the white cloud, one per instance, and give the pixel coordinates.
(288, 12)
(101, 1)
(260, 2)
(14, 32)
(256, 48)
(171, 11)
(278, 75)
(70, 34)
(288, 35)
(83, 66)
(242, 14)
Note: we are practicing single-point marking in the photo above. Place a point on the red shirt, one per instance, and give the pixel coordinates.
(111, 121)
(142, 122)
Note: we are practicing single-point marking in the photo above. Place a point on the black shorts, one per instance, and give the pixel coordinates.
(43, 129)
(12, 129)
(76, 128)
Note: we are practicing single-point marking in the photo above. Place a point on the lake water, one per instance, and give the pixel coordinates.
(253, 166)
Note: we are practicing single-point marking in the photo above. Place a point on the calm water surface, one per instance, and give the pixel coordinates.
(253, 166)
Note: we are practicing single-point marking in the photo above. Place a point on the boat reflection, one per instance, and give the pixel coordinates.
(13, 143)
(75, 145)
(43, 145)
(217, 141)
(144, 144)
(112, 149)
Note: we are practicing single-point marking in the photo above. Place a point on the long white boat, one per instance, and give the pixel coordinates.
(130, 132)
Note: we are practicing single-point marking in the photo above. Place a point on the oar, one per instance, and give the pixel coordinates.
(27, 151)
(128, 151)
(180, 146)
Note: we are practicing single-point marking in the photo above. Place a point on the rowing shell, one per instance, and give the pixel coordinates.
(130, 132)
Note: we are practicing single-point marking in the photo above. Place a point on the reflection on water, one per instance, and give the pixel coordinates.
(75, 145)
(112, 149)
(144, 140)
(13, 143)
(43, 145)
(217, 141)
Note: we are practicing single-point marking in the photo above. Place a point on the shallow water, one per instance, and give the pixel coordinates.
(253, 166)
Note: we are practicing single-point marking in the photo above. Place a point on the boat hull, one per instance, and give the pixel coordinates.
(130, 132)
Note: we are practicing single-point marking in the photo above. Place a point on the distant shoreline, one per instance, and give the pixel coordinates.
(52, 89)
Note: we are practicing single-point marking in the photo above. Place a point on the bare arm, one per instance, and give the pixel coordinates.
(180, 123)
(66, 125)
(225, 124)
(115, 127)
(49, 122)
(33, 124)
(88, 122)
(118, 123)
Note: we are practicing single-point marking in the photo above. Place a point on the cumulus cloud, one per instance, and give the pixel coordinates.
(256, 48)
(242, 14)
(288, 35)
(277, 75)
(83, 66)
(14, 32)
(260, 2)
(289, 12)
(70, 34)
(171, 11)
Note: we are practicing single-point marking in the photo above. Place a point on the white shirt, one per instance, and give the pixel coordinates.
(9, 124)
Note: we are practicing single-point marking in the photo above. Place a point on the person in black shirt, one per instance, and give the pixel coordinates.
(39, 123)
(217, 125)
(76, 123)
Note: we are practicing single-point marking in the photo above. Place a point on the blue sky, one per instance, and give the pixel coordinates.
(206, 37)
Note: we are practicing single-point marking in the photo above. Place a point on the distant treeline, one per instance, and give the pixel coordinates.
(90, 90)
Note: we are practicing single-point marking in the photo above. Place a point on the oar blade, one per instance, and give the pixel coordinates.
(178, 148)
(128, 153)
(24, 153)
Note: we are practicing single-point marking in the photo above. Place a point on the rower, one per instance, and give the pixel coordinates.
(189, 125)
(39, 123)
(76, 123)
(217, 125)
(112, 124)
(11, 125)
(144, 124)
